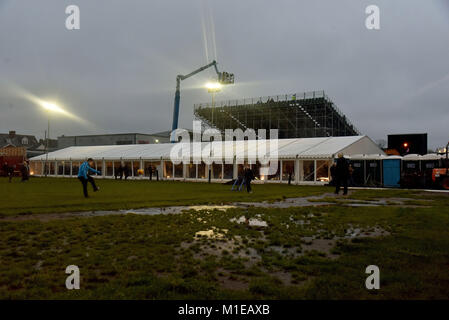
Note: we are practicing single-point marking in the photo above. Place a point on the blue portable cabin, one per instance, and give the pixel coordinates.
(391, 171)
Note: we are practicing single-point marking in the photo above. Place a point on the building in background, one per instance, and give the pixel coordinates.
(17, 140)
(113, 139)
(302, 115)
(413, 143)
(30, 143)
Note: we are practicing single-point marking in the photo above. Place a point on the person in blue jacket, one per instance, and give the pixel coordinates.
(84, 177)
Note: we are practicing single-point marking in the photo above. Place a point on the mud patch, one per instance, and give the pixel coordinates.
(230, 281)
(213, 233)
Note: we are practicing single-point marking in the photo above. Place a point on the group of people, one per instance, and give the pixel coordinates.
(244, 179)
(340, 172)
(122, 171)
(8, 171)
(125, 171)
(87, 167)
(152, 170)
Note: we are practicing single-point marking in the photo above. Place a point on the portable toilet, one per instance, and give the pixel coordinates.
(373, 170)
(358, 174)
(412, 175)
(391, 171)
(428, 163)
(411, 163)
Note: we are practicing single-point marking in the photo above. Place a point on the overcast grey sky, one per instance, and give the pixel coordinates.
(118, 71)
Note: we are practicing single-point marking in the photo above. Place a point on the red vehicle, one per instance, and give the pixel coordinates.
(440, 176)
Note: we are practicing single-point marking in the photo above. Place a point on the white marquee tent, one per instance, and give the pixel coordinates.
(305, 160)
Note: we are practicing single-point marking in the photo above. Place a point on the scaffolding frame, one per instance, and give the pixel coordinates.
(302, 115)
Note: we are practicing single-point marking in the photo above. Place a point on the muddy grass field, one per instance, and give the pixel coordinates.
(302, 243)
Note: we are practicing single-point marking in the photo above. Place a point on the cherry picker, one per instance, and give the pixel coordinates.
(223, 78)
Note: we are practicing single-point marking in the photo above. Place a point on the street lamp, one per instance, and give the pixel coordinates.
(49, 107)
(212, 88)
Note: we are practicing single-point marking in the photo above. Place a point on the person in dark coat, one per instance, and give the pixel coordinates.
(342, 173)
(351, 182)
(249, 176)
(10, 172)
(126, 171)
(5, 169)
(150, 172)
(25, 171)
(119, 172)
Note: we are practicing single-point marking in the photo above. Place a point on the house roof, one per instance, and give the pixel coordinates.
(17, 140)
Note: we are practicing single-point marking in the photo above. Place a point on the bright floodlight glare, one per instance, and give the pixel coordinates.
(52, 107)
(213, 86)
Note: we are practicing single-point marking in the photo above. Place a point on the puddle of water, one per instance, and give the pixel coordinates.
(359, 233)
(252, 222)
(153, 211)
(287, 203)
(223, 208)
(257, 223)
(362, 205)
(352, 232)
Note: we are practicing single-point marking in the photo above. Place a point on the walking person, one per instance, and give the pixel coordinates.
(5, 169)
(237, 183)
(242, 180)
(25, 171)
(342, 172)
(351, 182)
(248, 176)
(84, 177)
(126, 171)
(150, 172)
(119, 172)
(10, 172)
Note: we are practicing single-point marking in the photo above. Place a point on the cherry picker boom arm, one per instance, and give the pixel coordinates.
(179, 78)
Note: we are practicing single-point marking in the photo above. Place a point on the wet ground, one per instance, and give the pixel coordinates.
(215, 242)
(325, 199)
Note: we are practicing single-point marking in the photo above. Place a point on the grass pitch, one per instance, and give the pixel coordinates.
(303, 253)
(53, 195)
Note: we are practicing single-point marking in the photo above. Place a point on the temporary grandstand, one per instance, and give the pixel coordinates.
(302, 115)
(305, 161)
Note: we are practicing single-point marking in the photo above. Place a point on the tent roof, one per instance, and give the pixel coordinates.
(305, 148)
(368, 156)
(431, 156)
(412, 157)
